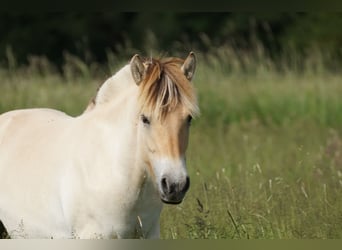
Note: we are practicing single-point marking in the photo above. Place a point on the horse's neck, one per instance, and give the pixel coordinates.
(115, 86)
(116, 107)
(119, 118)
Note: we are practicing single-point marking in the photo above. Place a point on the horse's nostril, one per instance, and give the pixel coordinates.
(186, 185)
(164, 185)
(173, 188)
(167, 187)
(173, 191)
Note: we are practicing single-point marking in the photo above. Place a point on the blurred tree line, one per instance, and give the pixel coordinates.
(91, 35)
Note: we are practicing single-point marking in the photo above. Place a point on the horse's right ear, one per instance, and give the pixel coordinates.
(137, 69)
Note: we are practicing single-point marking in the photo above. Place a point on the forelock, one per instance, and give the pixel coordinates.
(165, 87)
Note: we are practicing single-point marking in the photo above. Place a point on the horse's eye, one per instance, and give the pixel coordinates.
(189, 119)
(145, 120)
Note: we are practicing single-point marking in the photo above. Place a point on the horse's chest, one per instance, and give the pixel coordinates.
(144, 217)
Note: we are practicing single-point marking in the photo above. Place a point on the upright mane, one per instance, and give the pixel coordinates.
(164, 86)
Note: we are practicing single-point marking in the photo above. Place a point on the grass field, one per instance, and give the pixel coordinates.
(265, 156)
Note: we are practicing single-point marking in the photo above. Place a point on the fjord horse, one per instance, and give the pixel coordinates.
(107, 172)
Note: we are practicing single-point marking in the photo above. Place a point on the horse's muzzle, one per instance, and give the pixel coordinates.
(174, 192)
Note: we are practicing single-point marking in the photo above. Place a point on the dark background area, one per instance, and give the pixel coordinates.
(90, 36)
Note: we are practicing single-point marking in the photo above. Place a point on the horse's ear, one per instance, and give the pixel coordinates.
(137, 69)
(189, 66)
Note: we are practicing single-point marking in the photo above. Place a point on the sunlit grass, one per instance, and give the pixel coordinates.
(275, 183)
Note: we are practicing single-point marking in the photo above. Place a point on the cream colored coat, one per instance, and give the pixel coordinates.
(85, 176)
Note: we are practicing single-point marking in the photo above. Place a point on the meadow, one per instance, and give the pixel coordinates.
(265, 155)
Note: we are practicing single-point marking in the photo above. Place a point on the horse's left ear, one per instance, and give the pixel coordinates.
(189, 66)
(137, 69)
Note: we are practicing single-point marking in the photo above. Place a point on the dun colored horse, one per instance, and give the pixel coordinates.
(107, 172)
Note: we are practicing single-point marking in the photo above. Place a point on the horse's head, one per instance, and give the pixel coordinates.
(167, 104)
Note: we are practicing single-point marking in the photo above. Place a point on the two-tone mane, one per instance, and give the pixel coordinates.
(162, 88)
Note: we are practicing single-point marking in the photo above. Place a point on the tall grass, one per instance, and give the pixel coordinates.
(265, 156)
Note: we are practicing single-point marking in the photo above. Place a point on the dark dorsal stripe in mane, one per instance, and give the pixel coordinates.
(164, 87)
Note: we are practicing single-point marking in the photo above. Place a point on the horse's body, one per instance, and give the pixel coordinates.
(102, 174)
